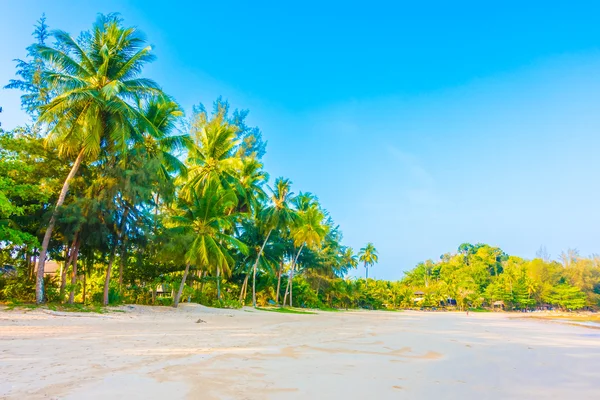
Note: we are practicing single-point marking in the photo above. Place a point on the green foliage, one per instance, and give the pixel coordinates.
(567, 297)
(114, 297)
(181, 208)
(18, 289)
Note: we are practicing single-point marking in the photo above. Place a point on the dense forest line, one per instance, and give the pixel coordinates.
(140, 203)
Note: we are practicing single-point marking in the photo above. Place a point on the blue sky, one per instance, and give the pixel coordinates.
(418, 126)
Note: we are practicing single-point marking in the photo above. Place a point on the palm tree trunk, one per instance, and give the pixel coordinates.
(107, 278)
(244, 288)
(218, 283)
(122, 266)
(39, 284)
(287, 290)
(367, 275)
(32, 271)
(86, 266)
(255, 267)
(112, 259)
(292, 276)
(74, 276)
(63, 269)
(156, 213)
(202, 279)
(279, 281)
(178, 296)
(68, 262)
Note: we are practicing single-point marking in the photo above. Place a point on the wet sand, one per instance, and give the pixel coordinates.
(159, 353)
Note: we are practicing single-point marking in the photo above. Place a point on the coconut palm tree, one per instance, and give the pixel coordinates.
(368, 256)
(95, 81)
(250, 185)
(348, 260)
(211, 158)
(277, 215)
(207, 219)
(309, 232)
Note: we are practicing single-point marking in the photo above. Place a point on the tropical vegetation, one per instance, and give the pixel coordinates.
(139, 203)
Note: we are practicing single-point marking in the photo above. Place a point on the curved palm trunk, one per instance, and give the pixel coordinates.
(39, 283)
(244, 288)
(292, 276)
(366, 275)
(279, 282)
(255, 267)
(178, 295)
(287, 291)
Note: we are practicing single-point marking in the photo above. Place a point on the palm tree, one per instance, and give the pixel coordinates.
(276, 216)
(211, 158)
(95, 81)
(250, 185)
(310, 232)
(348, 260)
(368, 255)
(207, 219)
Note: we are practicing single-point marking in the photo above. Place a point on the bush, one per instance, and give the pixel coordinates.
(19, 289)
(113, 296)
(164, 301)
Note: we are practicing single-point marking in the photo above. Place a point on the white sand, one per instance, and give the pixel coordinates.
(161, 353)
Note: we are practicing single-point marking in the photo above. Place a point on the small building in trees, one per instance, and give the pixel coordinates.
(418, 296)
(499, 304)
(51, 268)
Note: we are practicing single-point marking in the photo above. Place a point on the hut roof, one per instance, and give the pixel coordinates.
(419, 293)
(498, 303)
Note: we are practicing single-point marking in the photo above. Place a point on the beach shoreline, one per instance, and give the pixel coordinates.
(197, 352)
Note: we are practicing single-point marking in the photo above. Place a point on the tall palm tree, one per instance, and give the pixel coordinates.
(368, 256)
(309, 232)
(96, 81)
(207, 219)
(277, 215)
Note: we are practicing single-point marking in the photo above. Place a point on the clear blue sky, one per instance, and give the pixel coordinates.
(419, 126)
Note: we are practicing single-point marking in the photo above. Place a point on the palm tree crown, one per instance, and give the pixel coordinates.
(97, 82)
(368, 256)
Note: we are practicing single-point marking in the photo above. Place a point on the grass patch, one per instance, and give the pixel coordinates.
(479, 309)
(87, 308)
(285, 310)
(329, 309)
(11, 305)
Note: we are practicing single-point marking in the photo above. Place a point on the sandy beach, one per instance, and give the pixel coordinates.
(157, 353)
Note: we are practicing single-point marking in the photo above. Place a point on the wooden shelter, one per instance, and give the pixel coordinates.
(498, 304)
